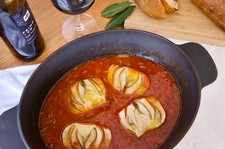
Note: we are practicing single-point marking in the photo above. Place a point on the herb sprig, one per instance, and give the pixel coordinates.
(118, 13)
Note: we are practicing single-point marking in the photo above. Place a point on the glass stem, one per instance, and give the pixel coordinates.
(79, 26)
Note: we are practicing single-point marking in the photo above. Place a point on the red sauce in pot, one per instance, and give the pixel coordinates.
(55, 114)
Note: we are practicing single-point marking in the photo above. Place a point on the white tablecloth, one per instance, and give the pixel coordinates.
(207, 131)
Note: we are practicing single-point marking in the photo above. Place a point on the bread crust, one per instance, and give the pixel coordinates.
(168, 7)
(214, 9)
(157, 8)
(153, 8)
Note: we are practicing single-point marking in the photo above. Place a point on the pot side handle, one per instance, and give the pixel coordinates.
(9, 131)
(202, 61)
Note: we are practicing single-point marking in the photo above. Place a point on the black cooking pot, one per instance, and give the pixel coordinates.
(189, 63)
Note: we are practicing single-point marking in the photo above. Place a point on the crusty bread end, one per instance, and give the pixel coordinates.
(170, 5)
(153, 8)
(214, 9)
(157, 8)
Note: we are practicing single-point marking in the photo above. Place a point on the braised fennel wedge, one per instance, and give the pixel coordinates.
(86, 136)
(142, 115)
(127, 80)
(86, 94)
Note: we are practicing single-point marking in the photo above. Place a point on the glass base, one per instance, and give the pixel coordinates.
(77, 26)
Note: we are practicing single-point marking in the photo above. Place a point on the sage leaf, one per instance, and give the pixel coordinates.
(119, 19)
(114, 9)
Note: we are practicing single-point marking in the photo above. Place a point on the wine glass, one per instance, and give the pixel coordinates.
(79, 24)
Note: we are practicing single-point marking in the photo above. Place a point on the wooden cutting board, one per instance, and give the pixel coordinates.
(188, 23)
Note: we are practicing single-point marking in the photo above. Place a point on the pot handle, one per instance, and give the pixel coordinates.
(202, 61)
(9, 132)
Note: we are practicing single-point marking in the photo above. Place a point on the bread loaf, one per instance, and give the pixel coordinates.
(157, 8)
(170, 5)
(152, 8)
(214, 9)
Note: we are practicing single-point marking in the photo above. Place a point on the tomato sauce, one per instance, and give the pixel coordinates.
(55, 114)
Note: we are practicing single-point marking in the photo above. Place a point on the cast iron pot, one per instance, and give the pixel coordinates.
(190, 64)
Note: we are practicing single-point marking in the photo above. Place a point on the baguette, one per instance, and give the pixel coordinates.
(214, 9)
(152, 8)
(157, 8)
(170, 5)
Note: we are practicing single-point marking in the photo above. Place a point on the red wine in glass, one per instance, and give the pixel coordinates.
(80, 24)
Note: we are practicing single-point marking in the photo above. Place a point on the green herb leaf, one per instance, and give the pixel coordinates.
(118, 20)
(114, 9)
